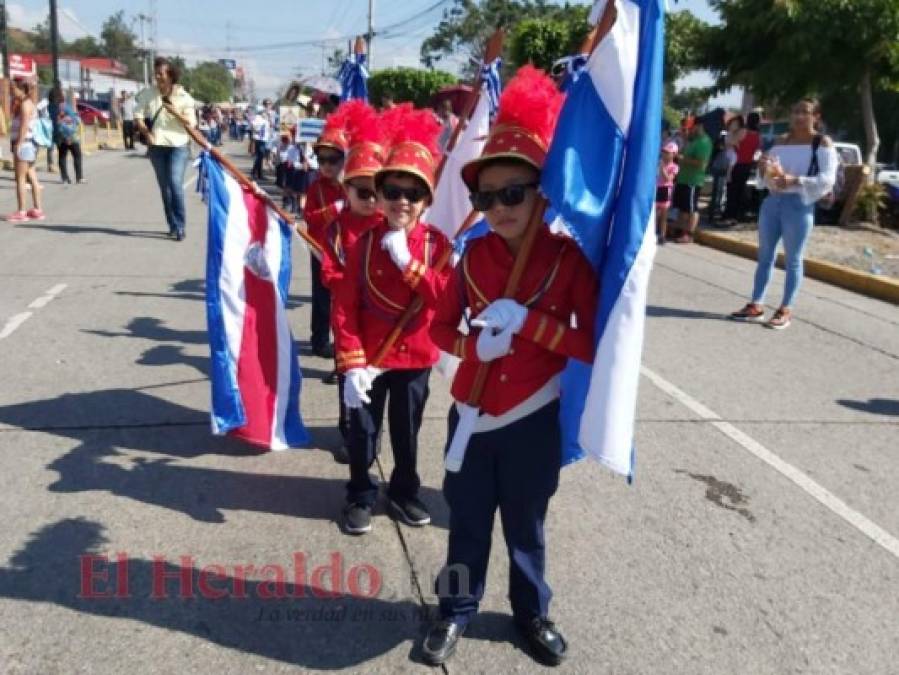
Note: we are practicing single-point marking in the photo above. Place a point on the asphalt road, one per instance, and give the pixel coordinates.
(759, 537)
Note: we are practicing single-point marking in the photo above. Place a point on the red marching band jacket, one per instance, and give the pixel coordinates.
(374, 294)
(340, 236)
(321, 208)
(560, 290)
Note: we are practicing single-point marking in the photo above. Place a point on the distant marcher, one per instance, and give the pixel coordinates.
(747, 145)
(261, 128)
(168, 108)
(667, 172)
(127, 107)
(24, 150)
(449, 121)
(693, 161)
(68, 126)
(799, 169)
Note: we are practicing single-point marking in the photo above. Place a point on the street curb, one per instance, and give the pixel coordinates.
(874, 286)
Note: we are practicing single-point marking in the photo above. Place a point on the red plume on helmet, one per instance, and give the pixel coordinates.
(366, 140)
(334, 132)
(414, 149)
(528, 111)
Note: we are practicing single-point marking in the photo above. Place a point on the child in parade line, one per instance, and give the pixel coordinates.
(365, 157)
(325, 199)
(391, 265)
(283, 165)
(306, 171)
(668, 169)
(514, 454)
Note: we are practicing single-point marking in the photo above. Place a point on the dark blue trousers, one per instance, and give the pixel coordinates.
(407, 391)
(515, 469)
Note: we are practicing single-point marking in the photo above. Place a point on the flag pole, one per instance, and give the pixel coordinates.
(241, 178)
(493, 50)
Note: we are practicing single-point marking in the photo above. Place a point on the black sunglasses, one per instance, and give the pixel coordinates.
(329, 159)
(364, 193)
(393, 193)
(511, 195)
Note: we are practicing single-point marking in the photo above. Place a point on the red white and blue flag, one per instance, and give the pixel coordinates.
(254, 368)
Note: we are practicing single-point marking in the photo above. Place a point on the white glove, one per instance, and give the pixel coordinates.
(396, 244)
(355, 390)
(492, 345)
(501, 314)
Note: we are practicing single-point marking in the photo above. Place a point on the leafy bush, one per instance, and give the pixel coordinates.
(408, 84)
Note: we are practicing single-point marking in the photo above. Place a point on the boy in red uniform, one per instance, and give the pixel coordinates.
(513, 456)
(391, 265)
(325, 199)
(365, 156)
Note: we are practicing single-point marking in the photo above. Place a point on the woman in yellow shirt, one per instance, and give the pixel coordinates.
(161, 113)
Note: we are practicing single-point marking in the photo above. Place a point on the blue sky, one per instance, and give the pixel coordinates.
(203, 29)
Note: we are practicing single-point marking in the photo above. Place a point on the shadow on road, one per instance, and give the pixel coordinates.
(875, 406)
(677, 313)
(93, 229)
(195, 289)
(298, 620)
(106, 424)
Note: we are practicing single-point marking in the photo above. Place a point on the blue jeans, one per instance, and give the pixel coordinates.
(782, 216)
(169, 164)
(261, 149)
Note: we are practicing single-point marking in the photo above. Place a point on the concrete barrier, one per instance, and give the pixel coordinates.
(872, 285)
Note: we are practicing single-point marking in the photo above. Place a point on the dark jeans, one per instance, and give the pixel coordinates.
(514, 469)
(261, 149)
(408, 392)
(320, 324)
(64, 150)
(715, 198)
(736, 191)
(128, 134)
(169, 164)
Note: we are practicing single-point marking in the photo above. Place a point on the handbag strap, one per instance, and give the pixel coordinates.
(813, 168)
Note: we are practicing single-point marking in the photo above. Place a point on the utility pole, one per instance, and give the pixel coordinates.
(4, 91)
(143, 46)
(371, 31)
(54, 42)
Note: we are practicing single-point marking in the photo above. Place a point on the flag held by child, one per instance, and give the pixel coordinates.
(254, 369)
(600, 176)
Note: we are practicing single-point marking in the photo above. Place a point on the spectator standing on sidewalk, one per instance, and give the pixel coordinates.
(170, 108)
(127, 110)
(693, 161)
(24, 150)
(68, 125)
(745, 143)
(800, 169)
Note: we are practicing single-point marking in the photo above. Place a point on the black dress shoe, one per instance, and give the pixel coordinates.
(342, 455)
(330, 378)
(546, 643)
(440, 642)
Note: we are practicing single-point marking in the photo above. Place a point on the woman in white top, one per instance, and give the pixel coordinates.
(798, 171)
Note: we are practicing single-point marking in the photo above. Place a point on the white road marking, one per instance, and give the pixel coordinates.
(16, 321)
(828, 499)
(47, 297)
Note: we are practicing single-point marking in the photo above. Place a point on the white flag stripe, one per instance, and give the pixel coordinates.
(613, 64)
(608, 437)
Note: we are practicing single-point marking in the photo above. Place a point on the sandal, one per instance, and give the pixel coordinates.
(780, 320)
(752, 312)
(17, 217)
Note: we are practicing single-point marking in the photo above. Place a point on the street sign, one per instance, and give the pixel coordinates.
(21, 66)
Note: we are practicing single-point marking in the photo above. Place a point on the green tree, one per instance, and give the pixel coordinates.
(209, 82)
(408, 84)
(467, 25)
(684, 35)
(542, 41)
(787, 49)
(84, 46)
(119, 42)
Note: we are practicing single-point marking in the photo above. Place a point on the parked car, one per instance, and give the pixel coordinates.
(90, 114)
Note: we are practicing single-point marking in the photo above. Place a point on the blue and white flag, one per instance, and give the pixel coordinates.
(353, 78)
(254, 369)
(309, 129)
(600, 176)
